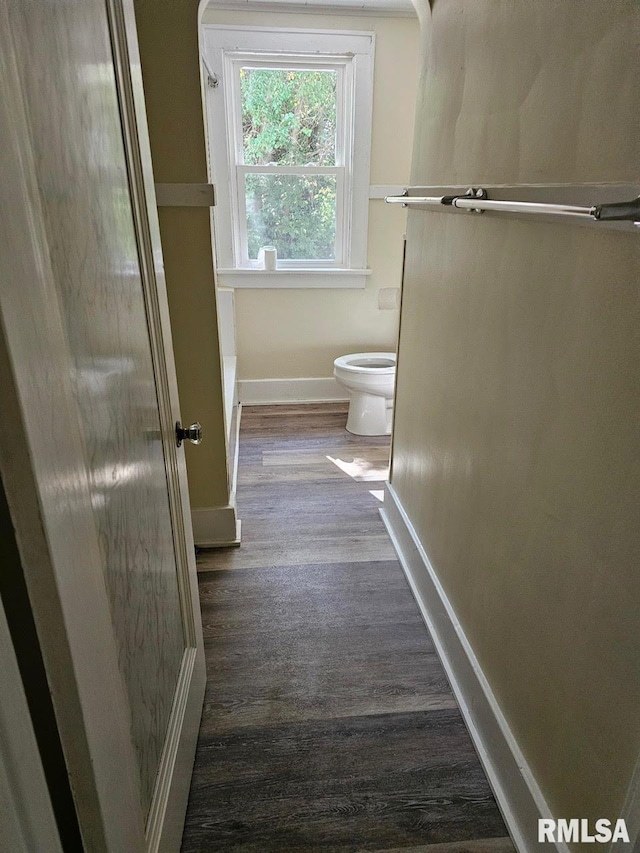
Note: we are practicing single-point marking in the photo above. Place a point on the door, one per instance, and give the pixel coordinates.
(95, 482)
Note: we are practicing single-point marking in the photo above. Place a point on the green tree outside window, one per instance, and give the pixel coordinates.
(289, 119)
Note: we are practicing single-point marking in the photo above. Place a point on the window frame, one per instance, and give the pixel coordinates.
(341, 169)
(226, 49)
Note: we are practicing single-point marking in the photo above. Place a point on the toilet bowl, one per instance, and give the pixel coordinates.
(369, 377)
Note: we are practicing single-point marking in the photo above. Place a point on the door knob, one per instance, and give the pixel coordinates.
(191, 433)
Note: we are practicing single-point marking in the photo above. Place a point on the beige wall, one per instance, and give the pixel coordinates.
(517, 431)
(168, 37)
(294, 333)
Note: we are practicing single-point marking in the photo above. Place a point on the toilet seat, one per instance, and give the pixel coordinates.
(381, 363)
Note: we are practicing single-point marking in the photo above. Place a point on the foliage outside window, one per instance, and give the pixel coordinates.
(289, 118)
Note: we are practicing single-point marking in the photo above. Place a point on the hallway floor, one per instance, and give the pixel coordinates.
(328, 721)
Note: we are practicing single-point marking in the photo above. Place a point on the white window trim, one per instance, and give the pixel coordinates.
(296, 278)
(341, 170)
(223, 48)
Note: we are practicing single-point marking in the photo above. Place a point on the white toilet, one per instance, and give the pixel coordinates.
(369, 377)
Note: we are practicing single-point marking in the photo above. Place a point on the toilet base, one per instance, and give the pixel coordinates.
(369, 414)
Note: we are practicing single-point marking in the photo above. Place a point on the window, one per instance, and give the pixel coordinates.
(289, 130)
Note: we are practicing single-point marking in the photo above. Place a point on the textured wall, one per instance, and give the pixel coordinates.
(533, 92)
(292, 333)
(517, 430)
(168, 38)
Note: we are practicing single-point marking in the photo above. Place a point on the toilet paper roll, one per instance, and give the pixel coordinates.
(388, 298)
(270, 257)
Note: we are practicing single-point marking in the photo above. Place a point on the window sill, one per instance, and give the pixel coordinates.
(293, 278)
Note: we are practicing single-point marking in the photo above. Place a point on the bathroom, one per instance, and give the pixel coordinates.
(291, 325)
(436, 651)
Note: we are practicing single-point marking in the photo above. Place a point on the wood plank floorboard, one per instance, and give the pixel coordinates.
(346, 784)
(328, 721)
(485, 845)
(302, 550)
(354, 660)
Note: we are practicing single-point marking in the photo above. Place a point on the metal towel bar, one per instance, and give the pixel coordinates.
(476, 199)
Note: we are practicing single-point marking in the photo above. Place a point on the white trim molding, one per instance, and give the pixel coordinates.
(516, 790)
(349, 55)
(293, 278)
(374, 8)
(264, 392)
(165, 821)
(215, 527)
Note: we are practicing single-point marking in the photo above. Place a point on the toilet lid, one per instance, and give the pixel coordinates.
(374, 362)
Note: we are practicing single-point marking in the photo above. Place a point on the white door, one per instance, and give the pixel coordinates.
(95, 482)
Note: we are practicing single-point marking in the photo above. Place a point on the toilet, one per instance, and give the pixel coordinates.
(369, 377)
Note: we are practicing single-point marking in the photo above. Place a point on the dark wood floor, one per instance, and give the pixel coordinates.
(328, 721)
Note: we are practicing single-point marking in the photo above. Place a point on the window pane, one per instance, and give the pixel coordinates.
(288, 117)
(294, 213)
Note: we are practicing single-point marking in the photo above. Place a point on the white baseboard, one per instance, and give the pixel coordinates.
(510, 777)
(262, 392)
(215, 527)
(219, 526)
